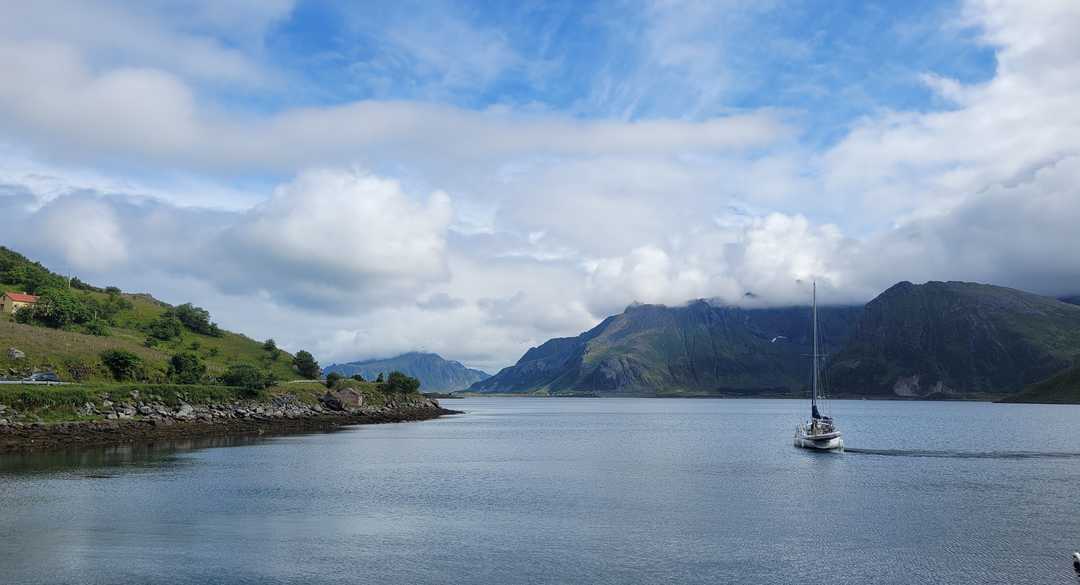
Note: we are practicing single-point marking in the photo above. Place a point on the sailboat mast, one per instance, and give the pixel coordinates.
(813, 400)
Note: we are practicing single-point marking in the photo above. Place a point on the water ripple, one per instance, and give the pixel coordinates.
(965, 454)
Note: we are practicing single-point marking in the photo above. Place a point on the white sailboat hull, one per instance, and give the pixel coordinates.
(826, 442)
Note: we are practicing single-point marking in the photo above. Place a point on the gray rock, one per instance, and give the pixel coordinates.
(145, 410)
(185, 411)
(344, 399)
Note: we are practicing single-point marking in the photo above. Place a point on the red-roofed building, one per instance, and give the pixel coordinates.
(13, 301)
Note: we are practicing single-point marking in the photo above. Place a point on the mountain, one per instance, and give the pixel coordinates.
(435, 373)
(956, 338)
(1071, 299)
(697, 349)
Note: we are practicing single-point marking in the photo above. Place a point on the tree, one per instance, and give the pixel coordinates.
(270, 346)
(186, 368)
(357, 377)
(401, 383)
(165, 327)
(305, 363)
(197, 319)
(57, 307)
(379, 378)
(123, 365)
(332, 378)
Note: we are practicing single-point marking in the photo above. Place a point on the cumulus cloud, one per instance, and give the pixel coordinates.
(339, 235)
(556, 221)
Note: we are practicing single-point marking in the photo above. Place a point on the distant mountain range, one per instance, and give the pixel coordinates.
(696, 349)
(939, 339)
(435, 373)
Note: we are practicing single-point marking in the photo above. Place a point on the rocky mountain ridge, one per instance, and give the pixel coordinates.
(938, 339)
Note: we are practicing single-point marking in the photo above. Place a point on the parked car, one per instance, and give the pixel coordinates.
(43, 377)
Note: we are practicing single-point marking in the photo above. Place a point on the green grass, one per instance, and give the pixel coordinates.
(70, 352)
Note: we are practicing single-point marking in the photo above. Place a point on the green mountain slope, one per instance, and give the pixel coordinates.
(435, 373)
(1061, 388)
(76, 355)
(949, 338)
(698, 349)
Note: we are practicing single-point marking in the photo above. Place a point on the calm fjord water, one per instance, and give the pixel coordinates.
(569, 491)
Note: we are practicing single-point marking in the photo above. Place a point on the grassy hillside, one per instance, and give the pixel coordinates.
(1062, 388)
(75, 354)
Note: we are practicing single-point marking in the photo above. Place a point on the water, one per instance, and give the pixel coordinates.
(591, 491)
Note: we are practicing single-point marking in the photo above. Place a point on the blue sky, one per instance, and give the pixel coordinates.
(362, 179)
(832, 61)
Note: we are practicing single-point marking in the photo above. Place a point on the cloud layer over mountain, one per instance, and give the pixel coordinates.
(395, 190)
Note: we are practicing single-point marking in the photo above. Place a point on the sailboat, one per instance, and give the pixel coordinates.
(820, 432)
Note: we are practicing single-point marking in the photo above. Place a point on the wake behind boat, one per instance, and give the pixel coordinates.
(820, 432)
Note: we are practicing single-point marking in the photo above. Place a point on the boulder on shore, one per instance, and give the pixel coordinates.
(340, 400)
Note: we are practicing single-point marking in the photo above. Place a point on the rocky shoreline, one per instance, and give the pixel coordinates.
(152, 421)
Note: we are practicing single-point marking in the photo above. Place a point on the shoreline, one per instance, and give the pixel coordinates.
(993, 398)
(39, 436)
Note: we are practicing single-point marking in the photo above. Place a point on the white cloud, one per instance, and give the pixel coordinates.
(340, 235)
(140, 36)
(556, 221)
(85, 232)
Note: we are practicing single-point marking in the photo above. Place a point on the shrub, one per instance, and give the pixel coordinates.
(78, 284)
(186, 368)
(197, 319)
(57, 307)
(97, 327)
(123, 365)
(332, 378)
(107, 309)
(379, 378)
(401, 383)
(247, 376)
(306, 365)
(270, 346)
(112, 290)
(357, 377)
(165, 327)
